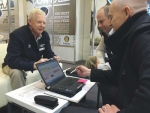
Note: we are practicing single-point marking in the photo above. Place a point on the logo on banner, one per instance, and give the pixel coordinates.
(45, 9)
(110, 1)
(66, 39)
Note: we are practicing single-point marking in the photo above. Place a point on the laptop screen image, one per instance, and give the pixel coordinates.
(50, 71)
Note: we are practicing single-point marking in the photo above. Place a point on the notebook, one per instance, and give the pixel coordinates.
(55, 79)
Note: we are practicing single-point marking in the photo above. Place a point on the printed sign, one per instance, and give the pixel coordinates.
(67, 40)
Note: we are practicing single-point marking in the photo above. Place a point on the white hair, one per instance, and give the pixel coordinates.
(35, 11)
(135, 5)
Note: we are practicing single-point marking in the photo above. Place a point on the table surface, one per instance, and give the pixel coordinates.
(25, 97)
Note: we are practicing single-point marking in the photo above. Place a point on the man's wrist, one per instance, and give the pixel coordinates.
(89, 72)
(34, 66)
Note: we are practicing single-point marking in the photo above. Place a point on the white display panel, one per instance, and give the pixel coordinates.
(65, 53)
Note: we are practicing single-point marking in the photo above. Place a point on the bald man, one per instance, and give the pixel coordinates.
(130, 65)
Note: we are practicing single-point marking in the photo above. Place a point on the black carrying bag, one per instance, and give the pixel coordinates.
(46, 101)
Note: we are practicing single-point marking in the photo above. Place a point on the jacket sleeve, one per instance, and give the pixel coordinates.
(102, 76)
(48, 53)
(104, 66)
(14, 59)
(140, 52)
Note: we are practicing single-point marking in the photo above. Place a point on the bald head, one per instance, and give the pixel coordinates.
(135, 5)
(105, 9)
(121, 10)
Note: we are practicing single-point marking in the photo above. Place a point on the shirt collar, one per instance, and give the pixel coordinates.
(111, 32)
(120, 36)
(38, 38)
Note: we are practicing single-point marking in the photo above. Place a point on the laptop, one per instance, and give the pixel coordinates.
(55, 79)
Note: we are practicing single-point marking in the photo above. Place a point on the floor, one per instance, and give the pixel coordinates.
(67, 65)
(89, 101)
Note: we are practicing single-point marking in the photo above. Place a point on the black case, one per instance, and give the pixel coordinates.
(46, 101)
(68, 72)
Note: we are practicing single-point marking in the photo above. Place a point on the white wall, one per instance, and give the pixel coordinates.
(87, 25)
(80, 5)
(22, 12)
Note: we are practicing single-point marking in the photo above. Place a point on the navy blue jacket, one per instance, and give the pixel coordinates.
(130, 64)
(23, 49)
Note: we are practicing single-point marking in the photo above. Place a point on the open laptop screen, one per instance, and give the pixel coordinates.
(50, 71)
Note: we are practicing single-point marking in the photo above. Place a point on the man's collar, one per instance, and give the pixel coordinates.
(114, 40)
(39, 37)
(111, 32)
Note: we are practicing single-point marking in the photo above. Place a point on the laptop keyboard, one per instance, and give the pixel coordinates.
(68, 81)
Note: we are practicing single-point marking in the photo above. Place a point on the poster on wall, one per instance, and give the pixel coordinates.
(62, 24)
(4, 20)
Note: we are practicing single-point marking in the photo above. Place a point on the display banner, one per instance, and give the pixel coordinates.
(4, 20)
(62, 24)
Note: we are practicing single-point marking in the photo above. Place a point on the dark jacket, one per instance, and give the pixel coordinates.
(23, 49)
(130, 64)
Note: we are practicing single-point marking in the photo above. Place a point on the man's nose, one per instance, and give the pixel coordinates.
(42, 24)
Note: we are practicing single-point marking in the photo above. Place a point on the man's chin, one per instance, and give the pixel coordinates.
(40, 32)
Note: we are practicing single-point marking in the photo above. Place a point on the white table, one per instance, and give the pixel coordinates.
(25, 97)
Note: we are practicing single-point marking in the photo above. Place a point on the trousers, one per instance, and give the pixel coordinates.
(17, 77)
(90, 62)
(76, 109)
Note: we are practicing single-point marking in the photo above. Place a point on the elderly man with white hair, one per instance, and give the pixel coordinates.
(28, 46)
(130, 64)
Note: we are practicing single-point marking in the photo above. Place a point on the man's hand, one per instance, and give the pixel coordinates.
(83, 71)
(56, 58)
(40, 61)
(97, 62)
(108, 109)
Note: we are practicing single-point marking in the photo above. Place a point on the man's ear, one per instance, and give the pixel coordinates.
(127, 12)
(29, 21)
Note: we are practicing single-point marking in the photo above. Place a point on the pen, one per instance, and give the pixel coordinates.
(73, 71)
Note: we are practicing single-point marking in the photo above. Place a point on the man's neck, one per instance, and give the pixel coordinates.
(34, 34)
